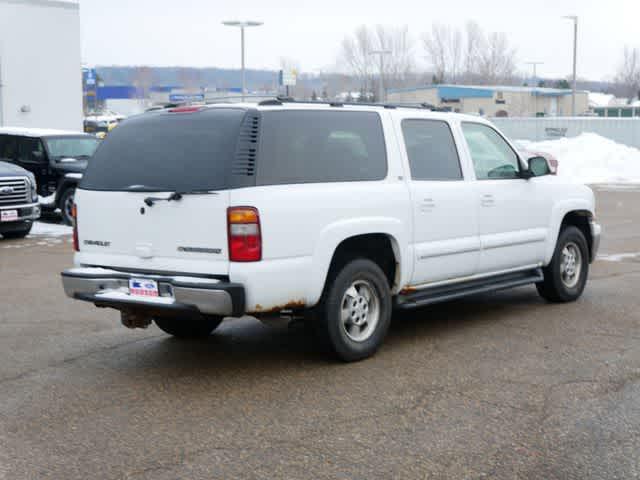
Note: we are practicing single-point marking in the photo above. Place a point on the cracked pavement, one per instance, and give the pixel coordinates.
(495, 386)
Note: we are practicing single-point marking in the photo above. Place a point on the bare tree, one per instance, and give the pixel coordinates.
(397, 66)
(628, 75)
(474, 44)
(399, 63)
(469, 56)
(497, 62)
(356, 56)
(436, 45)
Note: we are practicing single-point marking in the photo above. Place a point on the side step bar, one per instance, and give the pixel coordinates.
(443, 293)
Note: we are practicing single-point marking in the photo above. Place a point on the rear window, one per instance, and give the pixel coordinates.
(167, 152)
(320, 146)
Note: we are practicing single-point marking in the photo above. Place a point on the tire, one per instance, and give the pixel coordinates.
(188, 327)
(358, 293)
(566, 276)
(16, 234)
(65, 204)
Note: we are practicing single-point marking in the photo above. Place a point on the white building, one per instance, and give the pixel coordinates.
(40, 67)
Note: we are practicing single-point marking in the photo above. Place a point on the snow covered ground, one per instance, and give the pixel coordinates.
(45, 229)
(590, 158)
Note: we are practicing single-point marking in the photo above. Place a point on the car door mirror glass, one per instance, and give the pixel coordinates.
(538, 166)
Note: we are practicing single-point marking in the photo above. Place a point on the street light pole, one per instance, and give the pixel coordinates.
(535, 84)
(575, 61)
(242, 25)
(381, 53)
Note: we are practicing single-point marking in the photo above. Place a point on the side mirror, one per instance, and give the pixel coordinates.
(37, 155)
(538, 167)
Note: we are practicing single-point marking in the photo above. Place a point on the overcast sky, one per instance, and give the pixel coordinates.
(189, 33)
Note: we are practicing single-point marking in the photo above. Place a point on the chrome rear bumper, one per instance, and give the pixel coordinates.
(110, 288)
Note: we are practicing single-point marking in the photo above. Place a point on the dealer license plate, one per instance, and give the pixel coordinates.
(143, 287)
(8, 215)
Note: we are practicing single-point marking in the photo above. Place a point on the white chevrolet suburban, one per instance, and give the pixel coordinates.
(334, 212)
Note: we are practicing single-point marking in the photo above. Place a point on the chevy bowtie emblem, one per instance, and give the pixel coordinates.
(6, 190)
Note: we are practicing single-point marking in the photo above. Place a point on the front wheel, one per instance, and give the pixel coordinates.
(566, 276)
(66, 205)
(354, 315)
(188, 327)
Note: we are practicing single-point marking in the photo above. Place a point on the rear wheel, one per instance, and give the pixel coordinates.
(354, 315)
(566, 276)
(188, 327)
(66, 205)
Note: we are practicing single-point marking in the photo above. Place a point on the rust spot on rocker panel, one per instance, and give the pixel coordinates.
(406, 290)
(293, 305)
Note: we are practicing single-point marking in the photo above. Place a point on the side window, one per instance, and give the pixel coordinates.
(492, 157)
(319, 146)
(8, 148)
(431, 150)
(30, 150)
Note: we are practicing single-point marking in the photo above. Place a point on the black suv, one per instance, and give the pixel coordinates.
(57, 159)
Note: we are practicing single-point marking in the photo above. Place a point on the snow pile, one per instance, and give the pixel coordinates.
(590, 158)
(50, 230)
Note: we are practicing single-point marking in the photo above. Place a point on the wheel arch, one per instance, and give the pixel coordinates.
(386, 245)
(578, 214)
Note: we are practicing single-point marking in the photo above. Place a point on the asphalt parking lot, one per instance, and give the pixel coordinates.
(496, 386)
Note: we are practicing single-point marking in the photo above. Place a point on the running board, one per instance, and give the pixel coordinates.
(443, 293)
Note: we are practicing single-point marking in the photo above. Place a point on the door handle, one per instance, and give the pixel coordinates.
(427, 204)
(487, 200)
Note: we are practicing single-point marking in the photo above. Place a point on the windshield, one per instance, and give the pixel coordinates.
(71, 147)
(162, 151)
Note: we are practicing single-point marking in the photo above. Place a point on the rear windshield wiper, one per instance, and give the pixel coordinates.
(175, 196)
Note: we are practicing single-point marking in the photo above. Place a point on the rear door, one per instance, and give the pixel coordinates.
(125, 215)
(445, 226)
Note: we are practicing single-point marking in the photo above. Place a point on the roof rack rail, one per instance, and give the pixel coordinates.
(279, 100)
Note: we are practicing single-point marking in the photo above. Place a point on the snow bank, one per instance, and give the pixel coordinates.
(590, 158)
(50, 230)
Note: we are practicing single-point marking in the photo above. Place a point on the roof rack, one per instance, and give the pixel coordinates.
(332, 103)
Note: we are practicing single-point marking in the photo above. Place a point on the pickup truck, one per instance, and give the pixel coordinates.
(18, 201)
(335, 213)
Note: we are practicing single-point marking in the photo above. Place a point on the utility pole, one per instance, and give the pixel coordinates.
(535, 71)
(575, 61)
(381, 53)
(535, 84)
(242, 25)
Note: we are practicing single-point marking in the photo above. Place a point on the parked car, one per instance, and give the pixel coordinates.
(336, 213)
(18, 201)
(101, 125)
(56, 158)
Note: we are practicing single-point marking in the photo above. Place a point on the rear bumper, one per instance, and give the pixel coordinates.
(110, 288)
(596, 233)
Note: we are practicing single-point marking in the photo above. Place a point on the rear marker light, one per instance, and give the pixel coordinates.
(245, 239)
(74, 215)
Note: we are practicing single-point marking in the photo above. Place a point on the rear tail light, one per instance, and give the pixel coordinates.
(245, 239)
(74, 214)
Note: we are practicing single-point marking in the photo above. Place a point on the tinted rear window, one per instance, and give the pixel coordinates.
(320, 146)
(431, 150)
(167, 152)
